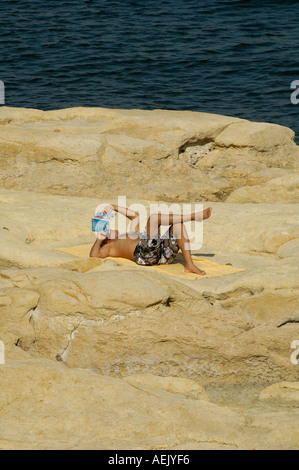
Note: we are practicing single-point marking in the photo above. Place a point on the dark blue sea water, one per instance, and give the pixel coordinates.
(230, 57)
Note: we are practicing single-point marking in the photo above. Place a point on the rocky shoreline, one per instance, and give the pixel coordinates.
(91, 362)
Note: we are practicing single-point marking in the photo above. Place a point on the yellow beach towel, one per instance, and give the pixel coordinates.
(175, 269)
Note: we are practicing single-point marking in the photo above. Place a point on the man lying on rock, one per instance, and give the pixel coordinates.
(149, 248)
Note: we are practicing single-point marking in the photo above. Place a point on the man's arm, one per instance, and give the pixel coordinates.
(132, 215)
(95, 250)
(101, 239)
(127, 212)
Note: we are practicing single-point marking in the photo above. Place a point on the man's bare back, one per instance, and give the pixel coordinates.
(123, 247)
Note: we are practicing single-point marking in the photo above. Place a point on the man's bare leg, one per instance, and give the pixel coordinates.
(180, 232)
(156, 220)
(134, 225)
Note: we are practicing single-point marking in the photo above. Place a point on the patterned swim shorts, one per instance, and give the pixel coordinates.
(158, 250)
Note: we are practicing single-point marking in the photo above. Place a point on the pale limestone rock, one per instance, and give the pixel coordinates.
(267, 291)
(251, 228)
(12, 352)
(289, 249)
(258, 135)
(194, 154)
(9, 115)
(161, 326)
(73, 302)
(31, 230)
(162, 339)
(92, 151)
(47, 406)
(284, 393)
(278, 190)
(181, 386)
(30, 226)
(77, 409)
(16, 306)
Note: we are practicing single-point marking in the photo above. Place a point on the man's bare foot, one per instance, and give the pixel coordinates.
(203, 215)
(194, 269)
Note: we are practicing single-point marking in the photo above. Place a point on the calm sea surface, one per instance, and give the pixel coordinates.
(230, 57)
